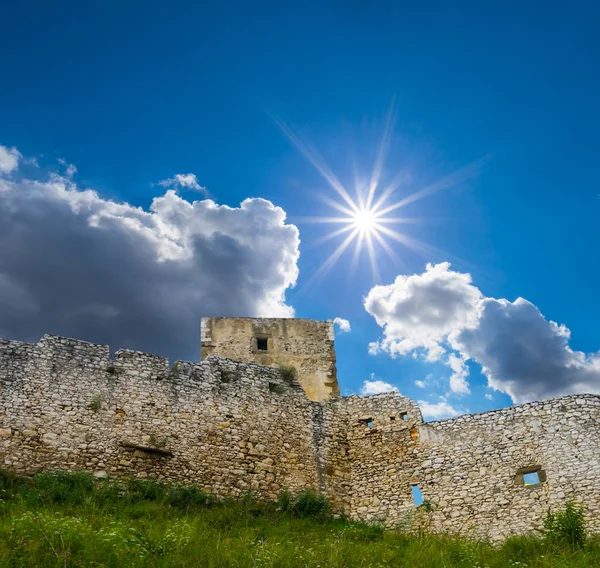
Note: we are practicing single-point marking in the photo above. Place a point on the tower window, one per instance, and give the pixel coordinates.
(262, 344)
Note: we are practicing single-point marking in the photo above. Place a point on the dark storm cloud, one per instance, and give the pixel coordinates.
(74, 264)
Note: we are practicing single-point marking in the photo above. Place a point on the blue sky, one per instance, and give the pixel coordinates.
(135, 93)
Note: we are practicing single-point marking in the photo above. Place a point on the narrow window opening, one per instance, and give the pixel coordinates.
(262, 344)
(392, 418)
(404, 415)
(417, 495)
(367, 422)
(532, 478)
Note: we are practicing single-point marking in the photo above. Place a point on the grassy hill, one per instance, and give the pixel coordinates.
(70, 519)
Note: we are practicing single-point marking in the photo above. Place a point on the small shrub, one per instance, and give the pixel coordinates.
(176, 368)
(311, 504)
(188, 497)
(276, 388)
(96, 403)
(146, 489)
(288, 373)
(227, 376)
(566, 527)
(284, 501)
(426, 505)
(113, 370)
(61, 487)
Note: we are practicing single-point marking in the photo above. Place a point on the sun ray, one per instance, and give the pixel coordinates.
(313, 157)
(341, 208)
(459, 176)
(383, 147)
(332, 259)
(324, 219)
(333, 234)
(372, 257)
(365, 219)
(357, 251)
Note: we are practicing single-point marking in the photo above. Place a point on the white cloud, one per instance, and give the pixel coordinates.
(374, 348)
(187, 181)
(420, 311)
(376, 386)
(83, 266)
(521, 353)
(420, 384)
(9, 159)
(489, 396)
(343, 324)
(70, 169)
(460, 372)
(438, 410)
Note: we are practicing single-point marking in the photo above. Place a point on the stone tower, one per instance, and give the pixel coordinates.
(305, 344)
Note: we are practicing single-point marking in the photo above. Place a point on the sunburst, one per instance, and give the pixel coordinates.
(365, 219)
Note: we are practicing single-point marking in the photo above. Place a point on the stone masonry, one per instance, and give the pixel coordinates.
(233, 426)
(306, 345)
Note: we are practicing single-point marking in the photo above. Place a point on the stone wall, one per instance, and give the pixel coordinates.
(305, 344)
(228, 426)
(231, 426)
(470, 469)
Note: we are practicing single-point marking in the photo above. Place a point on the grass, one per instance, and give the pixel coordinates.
(71, 519)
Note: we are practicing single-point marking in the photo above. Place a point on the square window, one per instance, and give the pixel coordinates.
(262, 344)
(404, 416)
(532, 478)
(367, 422)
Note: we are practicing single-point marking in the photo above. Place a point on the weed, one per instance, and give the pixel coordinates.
(276, 388)
(227, 376)
(96, 403)
(113, 370)
(288, 373)
(566, 527)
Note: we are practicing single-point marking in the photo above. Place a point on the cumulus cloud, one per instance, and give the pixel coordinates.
(83, 266)
(520, 352)
(343, 324)
(9, 159)
(376, 386)
(420, 384)
(420, 311)
(438, 410)
(186, 181)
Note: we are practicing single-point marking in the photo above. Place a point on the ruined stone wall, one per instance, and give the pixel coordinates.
(228, 426)
(232, 426)
(470, 469)
(305, 344)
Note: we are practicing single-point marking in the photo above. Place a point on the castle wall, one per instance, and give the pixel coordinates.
(232, 426)
(305, 344)
(470, 469)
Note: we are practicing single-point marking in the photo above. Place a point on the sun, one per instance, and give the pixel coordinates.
(364, 220)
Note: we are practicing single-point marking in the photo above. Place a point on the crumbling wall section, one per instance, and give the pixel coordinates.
(471, 467)
(225, 425)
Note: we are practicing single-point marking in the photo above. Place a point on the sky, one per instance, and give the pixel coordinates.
(160, 162)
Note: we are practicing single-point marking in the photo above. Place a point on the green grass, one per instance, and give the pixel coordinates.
(70, 519)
